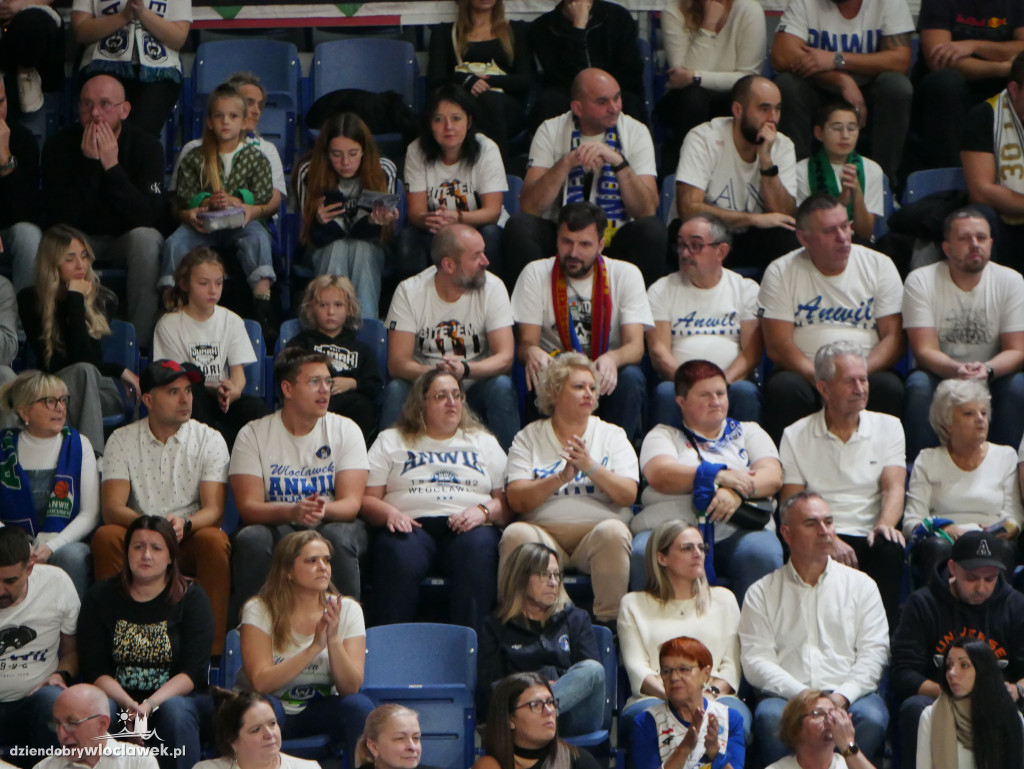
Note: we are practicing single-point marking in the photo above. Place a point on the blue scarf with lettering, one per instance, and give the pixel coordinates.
(16, 505)
(609, 199)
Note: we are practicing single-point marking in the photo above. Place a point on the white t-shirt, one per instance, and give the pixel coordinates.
(214, 345)
(553, 140)
(848, 476)
(738, 451)
(315, 679)
(295, 466)
(532, 303)
(827, 308)
(820, 24)
(981, 497)
(31, 631)
(535, 453)
(442, 328)
(457, 186)
(436, 478)
(266, 147)
(968, 323)
(226, 762)
(705, 322)
(874, 192)
(122, 755)
(709, 161)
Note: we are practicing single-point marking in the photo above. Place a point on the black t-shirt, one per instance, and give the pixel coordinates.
(977, 134)
(993, 21)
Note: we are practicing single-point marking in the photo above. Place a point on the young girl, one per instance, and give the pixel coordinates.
(344, 239)
(224, 171)
(197, 330)
(330, 315)
(65, 315)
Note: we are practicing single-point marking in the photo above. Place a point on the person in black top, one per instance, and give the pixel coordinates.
(19, 195)
(581, 34)
(537, 629)
(144, 638)
(489, 57)
(105, 177)
(330, 314)
(65, 315)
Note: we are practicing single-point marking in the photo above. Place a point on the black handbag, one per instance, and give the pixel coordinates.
(753, 513)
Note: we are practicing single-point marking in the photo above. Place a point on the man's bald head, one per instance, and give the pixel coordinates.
(596, 101)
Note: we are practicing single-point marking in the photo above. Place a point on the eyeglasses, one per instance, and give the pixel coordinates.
(448, 395)
(689, 547)
(316, 382)
(683, 670)
(537, 706)
(695, 246)
(549, 575)
(816, 715)
(70, 726)
(103, 105)
(51, 401)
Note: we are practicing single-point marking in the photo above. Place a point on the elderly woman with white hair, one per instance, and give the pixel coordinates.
(964, 484)
(571, 480)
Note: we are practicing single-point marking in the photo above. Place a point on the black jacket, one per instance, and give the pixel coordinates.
(934, 617)
(19, 190)
(520, 647)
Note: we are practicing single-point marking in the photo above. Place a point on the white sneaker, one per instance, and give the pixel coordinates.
(30, 91)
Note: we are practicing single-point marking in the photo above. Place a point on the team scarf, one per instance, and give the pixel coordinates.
(609, 199)
(16, 505)
(600, 310)
(822, 178)
(1008, 148)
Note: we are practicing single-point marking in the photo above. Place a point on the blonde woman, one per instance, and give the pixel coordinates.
(304, 645)
(391, 739)
(66, 315)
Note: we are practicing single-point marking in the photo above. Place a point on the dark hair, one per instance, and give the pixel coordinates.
(175, 580)
(966, 212)
(693, 371)
(826, 110)
(1017, 69)
(230, 713)
(291, 360)
(499, 739)
(816, 201)
(580, 215)
(15, 546)
(995, 722)
(741, 88)
(470, 149)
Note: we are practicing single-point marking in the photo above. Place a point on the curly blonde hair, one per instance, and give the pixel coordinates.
(553, 378)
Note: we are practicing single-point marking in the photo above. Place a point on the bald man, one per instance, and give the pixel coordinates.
(592, 152)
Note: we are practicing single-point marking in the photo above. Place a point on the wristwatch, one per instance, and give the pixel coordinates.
(840, 60)
(770, 171)
(991, 372)
(620, 166)
(10, 165)
(697, 78)
(851, 750)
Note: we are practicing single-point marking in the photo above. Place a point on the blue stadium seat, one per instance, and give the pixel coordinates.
(921, 183)
(318, 747)
(888, 206)
(255, 379)
(610, 662)
(121, 347)
(666, 207)
(648, 76)
(430, 668)
(511, 198)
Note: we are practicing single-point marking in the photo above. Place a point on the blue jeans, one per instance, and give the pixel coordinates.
(744, 404)
(362, 262)
(870, 720)
(342, 718)
(176, 724)
(493, 399)
(624, 405)
(400, 562)
(743, 559)
(252, 249)
(21, 241)
(1006, 426)
(580, 693)
(75, 558)
(26, 722)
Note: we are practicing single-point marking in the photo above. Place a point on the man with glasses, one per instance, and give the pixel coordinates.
(815, 624)
(455, 316)
(705, 312)
(301, 467)
(741, 169)
(105, 177)
(829, 290)
(38, 658)
(81, 719)
(173, 466)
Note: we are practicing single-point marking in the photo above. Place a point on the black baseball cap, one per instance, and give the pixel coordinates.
(977, 549)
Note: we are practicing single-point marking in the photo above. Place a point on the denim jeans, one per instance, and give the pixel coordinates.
(580, 694)
(75, 558)
(362, 262)
(179, 724)
(624, 406)
(252, 249)
(20, 242)
(342, 718)
(26, 722)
